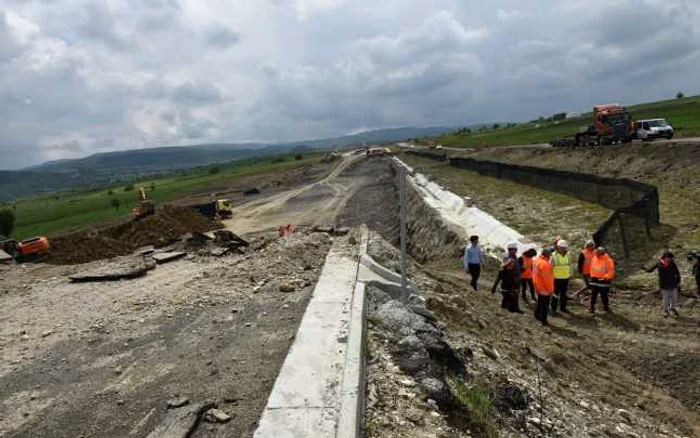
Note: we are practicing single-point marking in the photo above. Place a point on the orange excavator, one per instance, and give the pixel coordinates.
(146, 206)
(29, 249)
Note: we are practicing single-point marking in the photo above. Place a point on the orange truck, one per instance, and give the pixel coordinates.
(29, 249)
(611, 124)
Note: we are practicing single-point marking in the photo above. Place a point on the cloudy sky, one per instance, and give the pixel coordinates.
(78, 77)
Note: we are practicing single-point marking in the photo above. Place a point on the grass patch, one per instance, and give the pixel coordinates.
(683, 114)
(68, 211)
(483, 416)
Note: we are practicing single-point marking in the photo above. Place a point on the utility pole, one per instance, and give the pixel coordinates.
(402, 201)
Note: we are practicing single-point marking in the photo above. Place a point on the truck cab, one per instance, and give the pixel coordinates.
(653, 128)
(612, 123)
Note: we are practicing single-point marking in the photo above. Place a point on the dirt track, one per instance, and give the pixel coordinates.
(314, 204)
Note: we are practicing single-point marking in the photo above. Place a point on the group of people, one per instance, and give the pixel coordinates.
(546, 277)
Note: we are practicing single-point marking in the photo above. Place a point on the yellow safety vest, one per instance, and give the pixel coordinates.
(561, 265)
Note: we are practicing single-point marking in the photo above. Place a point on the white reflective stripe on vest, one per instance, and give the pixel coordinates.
(561, 265)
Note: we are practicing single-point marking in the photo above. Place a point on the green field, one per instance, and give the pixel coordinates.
(682, 114)
(68, 211)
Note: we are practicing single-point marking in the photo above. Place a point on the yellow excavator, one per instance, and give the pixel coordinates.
(146, 206)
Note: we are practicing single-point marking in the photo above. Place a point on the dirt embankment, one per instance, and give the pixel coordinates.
(167, 224)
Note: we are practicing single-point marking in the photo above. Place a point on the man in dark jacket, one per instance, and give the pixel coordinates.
(669, 281)
(508, 279)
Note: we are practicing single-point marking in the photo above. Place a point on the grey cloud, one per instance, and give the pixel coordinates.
(9, 47)
(72, 146)
(196, 94)
(95, 23)
(139, 73)
(222, 37)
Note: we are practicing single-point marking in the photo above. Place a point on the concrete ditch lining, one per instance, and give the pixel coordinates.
(465, 218)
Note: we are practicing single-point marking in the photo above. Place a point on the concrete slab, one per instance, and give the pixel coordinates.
(165, 257)
(309, 422)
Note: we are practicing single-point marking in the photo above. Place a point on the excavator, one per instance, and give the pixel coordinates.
(146, 206)
(26, 250)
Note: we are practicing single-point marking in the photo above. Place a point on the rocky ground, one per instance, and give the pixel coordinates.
(626, 374)
(105, 359)
(630, 373)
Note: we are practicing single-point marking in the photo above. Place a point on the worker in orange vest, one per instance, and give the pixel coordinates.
(602, 275)
(584, 265)
(526, 262)
(543, 278)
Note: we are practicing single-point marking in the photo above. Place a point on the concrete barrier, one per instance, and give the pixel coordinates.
(320, 388)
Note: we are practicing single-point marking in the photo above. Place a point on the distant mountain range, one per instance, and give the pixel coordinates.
(110, 167)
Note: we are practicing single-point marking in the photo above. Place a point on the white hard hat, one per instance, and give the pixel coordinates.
(563, 244)
(512, 245)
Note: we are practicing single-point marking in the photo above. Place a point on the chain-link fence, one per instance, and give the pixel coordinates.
(635, 205)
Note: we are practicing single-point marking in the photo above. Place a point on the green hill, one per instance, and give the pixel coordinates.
(683, 114)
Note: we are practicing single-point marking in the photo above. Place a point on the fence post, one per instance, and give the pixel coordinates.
(402, 200)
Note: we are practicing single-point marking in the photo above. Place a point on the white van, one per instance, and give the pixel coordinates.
(653, 128)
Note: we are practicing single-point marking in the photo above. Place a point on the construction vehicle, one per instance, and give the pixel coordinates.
(219, 209)
(650, 129)
(146, 206)
(611, 124)
(29, 249)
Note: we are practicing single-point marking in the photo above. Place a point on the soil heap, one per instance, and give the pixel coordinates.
(167, 225)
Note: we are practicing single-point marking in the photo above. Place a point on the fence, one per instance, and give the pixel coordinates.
(635, 205)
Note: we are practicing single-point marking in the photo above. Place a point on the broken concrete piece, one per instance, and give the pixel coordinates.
(219, 251)
(178, 402)
(216, 416)
(115, 270)
(165, 257)
(145, 250)
(179, 423)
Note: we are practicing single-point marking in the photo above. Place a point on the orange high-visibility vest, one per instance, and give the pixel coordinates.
(543, 276)
(603, 267)
(588, 255)
(527, 267)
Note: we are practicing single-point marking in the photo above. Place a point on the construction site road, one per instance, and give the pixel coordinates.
(319, 203)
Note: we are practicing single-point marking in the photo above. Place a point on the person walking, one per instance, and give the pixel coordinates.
(473, 260)
(508, 279)
(602, 275)
(584, 266)
(526, 261)
(669, 282)
(543, 278)
(562, 269)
